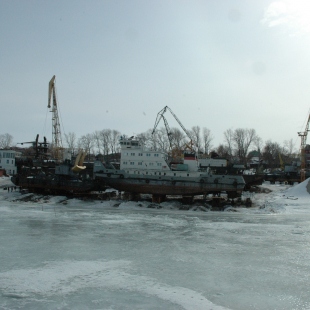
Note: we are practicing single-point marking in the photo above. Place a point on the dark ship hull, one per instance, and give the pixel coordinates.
(252, 180)
(40, 173)
(54, 184)
(169, 182)
(175, 187)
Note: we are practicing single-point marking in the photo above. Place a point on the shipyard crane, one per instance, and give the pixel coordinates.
(56, 133)
(303, 137)
(160, 116)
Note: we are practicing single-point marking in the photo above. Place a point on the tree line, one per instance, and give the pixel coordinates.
(237, 146)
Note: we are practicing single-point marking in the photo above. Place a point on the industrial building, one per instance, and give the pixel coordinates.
(7, 161)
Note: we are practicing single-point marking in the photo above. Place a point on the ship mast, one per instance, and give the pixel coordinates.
(56, 133)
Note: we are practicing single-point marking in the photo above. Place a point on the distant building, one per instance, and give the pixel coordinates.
(7, 161)
(254, 159)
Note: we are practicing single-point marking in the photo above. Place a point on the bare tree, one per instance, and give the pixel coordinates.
(177, 138)
(105, 136)
(195, 133)
(145, 138)
(223, 151)
(289, 147)
(243, 138)
(86, 142)
(71, 141)
(228, 137)
(258, 143)
(206, 140)
(6, 141)
(97, 141)
(153, 140)
(271, 153)
(114, 141)
(161, 140)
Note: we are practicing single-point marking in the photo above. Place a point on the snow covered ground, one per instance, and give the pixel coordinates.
(57, 253)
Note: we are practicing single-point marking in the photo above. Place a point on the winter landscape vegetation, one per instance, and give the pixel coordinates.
(239, 145)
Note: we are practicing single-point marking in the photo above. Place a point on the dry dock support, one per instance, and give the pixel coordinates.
(158, 198)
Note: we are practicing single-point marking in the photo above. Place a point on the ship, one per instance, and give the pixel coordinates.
(222, 166)
(40, 173)
(146, 171)
(53, 170)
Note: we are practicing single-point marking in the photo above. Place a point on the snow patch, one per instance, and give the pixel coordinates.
(63, 278)
(301, 190)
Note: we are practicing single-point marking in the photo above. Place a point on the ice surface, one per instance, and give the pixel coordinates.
(69, 277)
(59, 253)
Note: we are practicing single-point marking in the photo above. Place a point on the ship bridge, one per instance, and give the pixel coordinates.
(129, 143)
(135, 157)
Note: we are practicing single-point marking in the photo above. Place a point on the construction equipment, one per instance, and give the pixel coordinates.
(160, 116)
(303, 136)
(78, 165)
(56, 133)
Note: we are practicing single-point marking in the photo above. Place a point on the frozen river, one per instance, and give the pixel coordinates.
(83, 255)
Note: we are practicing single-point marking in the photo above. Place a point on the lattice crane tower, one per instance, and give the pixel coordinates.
(303, 135)
(56, 133)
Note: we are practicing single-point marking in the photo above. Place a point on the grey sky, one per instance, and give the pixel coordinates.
(217, 64)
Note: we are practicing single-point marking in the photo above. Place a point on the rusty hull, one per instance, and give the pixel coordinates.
(175, 187)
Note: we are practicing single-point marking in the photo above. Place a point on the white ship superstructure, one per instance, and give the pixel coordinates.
(135, 157)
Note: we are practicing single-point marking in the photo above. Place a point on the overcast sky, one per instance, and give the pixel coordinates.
(217, 64)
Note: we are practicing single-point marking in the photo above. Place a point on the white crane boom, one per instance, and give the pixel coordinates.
(160, 116)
